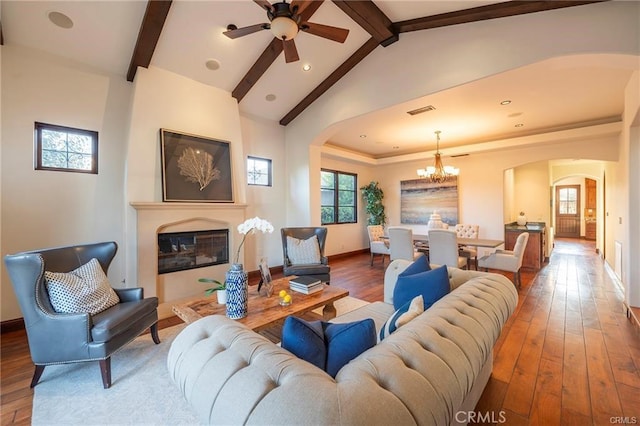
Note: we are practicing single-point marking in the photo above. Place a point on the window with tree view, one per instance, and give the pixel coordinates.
(258, 171)
(338, 197)
(66, 149)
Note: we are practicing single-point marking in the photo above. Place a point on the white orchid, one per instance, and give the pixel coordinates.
(250, 226)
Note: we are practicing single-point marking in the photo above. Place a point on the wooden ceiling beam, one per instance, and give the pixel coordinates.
(343, 69)
(357, 9)
(482, 13)
(150, 30)
(268, 56)
(370, 18)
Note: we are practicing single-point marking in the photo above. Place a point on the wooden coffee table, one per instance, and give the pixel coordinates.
(265, 312)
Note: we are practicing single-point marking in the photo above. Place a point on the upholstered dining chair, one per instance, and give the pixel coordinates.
(443, 249)
(507, 260)
(376, 244)
(469, 231)
(60, 338)
(303, 252)
(401, 244)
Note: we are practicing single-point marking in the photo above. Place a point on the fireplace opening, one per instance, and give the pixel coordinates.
(179, 251)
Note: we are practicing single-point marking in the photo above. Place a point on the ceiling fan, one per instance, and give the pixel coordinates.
(285, 21)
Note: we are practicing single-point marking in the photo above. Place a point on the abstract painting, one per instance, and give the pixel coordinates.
(419, 198)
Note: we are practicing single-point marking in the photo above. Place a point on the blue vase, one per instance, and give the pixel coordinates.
(237, 291)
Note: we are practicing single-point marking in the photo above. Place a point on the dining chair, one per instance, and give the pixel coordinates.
(376, 244)
(470, 252)
(507, 260)
(443, 249)
(401, 244)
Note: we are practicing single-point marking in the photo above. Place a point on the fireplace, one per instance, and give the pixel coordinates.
(180, 251)
(152, 219)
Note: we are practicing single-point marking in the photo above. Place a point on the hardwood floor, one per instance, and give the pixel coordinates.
(569, 354)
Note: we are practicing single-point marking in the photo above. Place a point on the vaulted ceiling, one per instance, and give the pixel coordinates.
(186, 37)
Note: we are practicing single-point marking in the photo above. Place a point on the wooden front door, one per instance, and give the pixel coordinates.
(568, 211)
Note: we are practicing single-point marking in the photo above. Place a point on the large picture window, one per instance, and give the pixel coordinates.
(338, 197)
(65, 149)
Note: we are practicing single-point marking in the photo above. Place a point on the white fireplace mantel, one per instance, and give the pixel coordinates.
(154, 217)
(144, 205)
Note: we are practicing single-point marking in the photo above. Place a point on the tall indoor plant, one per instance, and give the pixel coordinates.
(373, 195)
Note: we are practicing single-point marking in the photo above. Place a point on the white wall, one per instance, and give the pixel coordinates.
(266, 140)
(45, 208)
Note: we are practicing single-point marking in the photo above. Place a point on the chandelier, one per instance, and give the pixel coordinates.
(438, 173)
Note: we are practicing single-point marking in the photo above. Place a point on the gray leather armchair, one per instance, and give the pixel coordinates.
(56, 338)
(318, 270)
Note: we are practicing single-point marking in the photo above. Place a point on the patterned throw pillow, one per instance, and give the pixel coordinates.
(406, 313)
(303, 252)
(83, 290)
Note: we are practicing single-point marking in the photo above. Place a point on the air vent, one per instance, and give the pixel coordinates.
(421, 110)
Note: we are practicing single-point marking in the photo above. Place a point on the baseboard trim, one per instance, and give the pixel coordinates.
(11, 325)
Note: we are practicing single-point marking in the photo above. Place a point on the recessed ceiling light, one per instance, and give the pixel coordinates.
(212, 64)
(363, 136)
(396, 147)
(306, 67)
(60, 19)
(505, 102)
(270, 97)
(519, 125)
(514, 114)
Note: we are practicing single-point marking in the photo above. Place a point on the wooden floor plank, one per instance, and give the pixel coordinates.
(602, 386)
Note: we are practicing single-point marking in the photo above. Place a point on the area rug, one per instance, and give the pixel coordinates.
(141, 392)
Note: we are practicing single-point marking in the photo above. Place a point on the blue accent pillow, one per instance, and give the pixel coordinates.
(346, 341)
(326, 345)
(432, 285)
(406, 313)
(421, 264)
(305, 339)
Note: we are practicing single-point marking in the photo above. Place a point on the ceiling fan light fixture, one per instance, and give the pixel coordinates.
(284, 28)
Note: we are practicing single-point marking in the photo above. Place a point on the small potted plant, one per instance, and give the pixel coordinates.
(220, 289)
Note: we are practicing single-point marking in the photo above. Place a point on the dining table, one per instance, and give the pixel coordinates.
(474, 242)
(423, 240)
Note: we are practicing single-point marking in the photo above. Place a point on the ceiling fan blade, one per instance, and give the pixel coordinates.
(326, 31)
(264, 4)
(301, 6)
(290, 51)
(239, 32)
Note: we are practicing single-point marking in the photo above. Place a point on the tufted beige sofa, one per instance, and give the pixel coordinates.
(427, 371)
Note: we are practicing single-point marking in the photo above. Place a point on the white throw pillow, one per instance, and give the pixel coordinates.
(402, 316)
(303, 252)
(83, 290)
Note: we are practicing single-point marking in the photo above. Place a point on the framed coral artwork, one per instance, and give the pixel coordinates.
(195, 168)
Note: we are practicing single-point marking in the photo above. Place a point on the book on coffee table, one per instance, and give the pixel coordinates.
(305, 289)
(305, 281)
